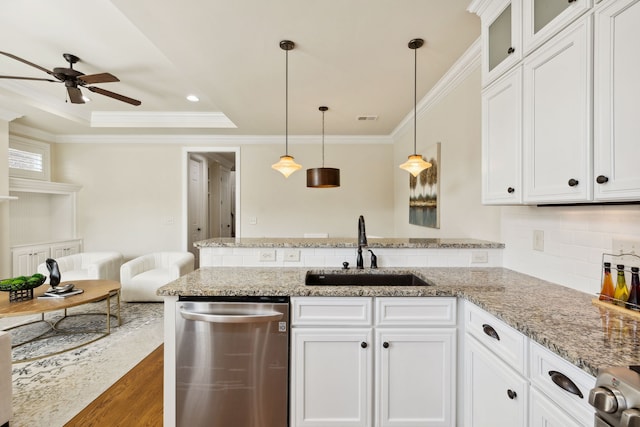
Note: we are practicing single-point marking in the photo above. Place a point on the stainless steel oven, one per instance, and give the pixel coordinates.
(616, 397)
(232, 361)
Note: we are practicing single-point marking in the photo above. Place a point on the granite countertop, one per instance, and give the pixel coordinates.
(372, 242)
(561, 319)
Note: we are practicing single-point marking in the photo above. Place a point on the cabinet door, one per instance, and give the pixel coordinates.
(557, 118)
(502, 140)
(415, 382)
(65, 248)
(331, 377)
(544, 413)
(617, 101)
(501, 38)
(542, 19)
(494, 394)
(26, 259)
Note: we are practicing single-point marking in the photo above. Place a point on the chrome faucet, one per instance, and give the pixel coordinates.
(362, 242)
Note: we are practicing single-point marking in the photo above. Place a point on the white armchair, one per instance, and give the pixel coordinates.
(87, 265)
(141, 277)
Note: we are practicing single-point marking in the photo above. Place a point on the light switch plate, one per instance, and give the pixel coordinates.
(626, 247)
(479, 257)
(292, 255)
(538, 240)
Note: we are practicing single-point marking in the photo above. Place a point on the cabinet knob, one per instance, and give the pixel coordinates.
(510, 50)
(512, 394)
(511, 190)
(488, 329)
(573, 182)
(601, 179)
(385, 344)
(363, 344)
(571, 1)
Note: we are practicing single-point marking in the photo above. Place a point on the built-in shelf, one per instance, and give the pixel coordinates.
(36, 186)
(7, 198)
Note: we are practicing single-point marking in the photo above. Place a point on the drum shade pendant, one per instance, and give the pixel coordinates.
(323, 177)
(415, 164)
(286, 165)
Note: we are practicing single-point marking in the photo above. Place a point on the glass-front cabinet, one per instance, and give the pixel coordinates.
(542, 19)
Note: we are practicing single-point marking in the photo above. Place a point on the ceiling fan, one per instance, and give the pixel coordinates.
(74, 79)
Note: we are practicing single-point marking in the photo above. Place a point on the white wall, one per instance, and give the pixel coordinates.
(5, 258)
(454, 121)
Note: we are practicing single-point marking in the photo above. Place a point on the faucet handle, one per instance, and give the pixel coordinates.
(374, 259)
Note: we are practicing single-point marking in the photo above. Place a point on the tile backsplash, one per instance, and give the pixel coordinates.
(575, 238)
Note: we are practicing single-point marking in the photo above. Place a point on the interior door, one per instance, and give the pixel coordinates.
(196, 205)
(225, 203)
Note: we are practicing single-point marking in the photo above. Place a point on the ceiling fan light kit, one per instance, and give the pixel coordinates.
(323, 177)
(415, 163)
(286, 165)
(73, 79)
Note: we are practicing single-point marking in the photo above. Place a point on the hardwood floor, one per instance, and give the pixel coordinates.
(134, 400)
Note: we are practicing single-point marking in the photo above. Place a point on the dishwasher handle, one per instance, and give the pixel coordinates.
(270, 316)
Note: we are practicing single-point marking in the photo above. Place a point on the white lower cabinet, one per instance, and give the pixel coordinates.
(495, 395)
(25, 259)
(385, 376)
(544, 413)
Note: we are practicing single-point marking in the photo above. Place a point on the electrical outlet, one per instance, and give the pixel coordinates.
(479, 257)
(253, 220)
(626, 247)
(538, 240)
(267, 255)
(292, 255)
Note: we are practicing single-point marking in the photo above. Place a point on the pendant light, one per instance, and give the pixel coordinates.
(286, 165)
(323, 177)
(415, 164)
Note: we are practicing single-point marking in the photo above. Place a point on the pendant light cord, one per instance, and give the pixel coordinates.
(323, 139)
(286, 104)
(415, 97)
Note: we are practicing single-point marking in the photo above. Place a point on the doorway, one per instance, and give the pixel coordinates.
(211, 202)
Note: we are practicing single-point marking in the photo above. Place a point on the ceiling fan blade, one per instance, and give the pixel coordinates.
(28, 78)
(98, 78)
(75, 95)
(24, 61)
(114, 95)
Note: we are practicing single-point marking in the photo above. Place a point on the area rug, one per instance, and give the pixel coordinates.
(52, 390)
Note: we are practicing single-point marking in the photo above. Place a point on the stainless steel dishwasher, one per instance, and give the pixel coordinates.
(232, 361)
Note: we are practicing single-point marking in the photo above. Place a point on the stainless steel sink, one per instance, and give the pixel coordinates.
(376, 279)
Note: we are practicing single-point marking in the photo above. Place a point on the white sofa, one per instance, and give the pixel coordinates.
(87, 265)
(141, 277)
(6, 388)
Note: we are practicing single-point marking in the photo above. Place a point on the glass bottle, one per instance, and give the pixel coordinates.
(621, 294)
(634, 295)
(606, 293)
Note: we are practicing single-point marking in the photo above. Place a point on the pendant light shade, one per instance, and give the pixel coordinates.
(323, 177)
(415, 164)
(286, 165)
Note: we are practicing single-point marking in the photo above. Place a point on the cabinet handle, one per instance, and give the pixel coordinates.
(488, 329)
(601, 179)
(510, 190)
(572, 1)
(363, 344)
(510, 50)
(512, 394)
(385, 344)
(562, 381)
(573, 182)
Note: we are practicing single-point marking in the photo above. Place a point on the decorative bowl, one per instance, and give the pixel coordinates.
(21, 283)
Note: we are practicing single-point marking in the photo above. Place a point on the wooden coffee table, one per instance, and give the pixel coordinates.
(94, 290)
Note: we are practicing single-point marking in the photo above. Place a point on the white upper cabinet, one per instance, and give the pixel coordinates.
(501, 35)
(502, 140)
(542, 19)
(557, 137)
(617, 101)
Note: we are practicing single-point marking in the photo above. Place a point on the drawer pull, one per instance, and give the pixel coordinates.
(488, 329)
(562, 381)
(512, 394)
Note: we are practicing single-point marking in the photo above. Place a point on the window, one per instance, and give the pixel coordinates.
(29, 159)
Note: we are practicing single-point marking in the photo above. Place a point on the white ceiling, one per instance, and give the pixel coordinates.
(350, 55)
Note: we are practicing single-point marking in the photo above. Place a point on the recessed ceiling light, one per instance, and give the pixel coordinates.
(193, 98)
(366, 118)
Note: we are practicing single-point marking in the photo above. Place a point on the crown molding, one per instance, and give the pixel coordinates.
(459, 71)
(16, 129)
(479, 6)
(221, 139)
(8, 116)
(160, 119)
